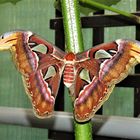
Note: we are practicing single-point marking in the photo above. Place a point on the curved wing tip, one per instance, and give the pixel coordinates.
(42, 116)
(7, 34)
(118, 41)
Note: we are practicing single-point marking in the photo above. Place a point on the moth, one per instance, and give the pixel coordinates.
(90, 75)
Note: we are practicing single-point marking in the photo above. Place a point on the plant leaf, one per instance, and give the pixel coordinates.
(6, 1)
(57, 5)
(84, 9)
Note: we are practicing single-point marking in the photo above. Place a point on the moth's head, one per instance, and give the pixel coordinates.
(70, 56)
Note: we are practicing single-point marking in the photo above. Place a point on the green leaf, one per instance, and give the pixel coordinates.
(93, 4)
(57, 5)
(107, 2)
(88, 10)
(12, 1)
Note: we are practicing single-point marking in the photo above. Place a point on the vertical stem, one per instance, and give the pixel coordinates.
(83, 131)
(72, 26)
(74, 42)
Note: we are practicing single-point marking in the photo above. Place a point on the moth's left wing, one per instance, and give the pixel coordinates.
(104, 66)
(40, 64)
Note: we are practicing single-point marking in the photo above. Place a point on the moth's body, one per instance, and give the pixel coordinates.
(69, 69)
(105, 65)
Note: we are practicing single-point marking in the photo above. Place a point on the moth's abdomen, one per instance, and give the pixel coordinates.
(68, 76)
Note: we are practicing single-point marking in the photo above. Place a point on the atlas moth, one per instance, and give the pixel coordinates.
(90, 75)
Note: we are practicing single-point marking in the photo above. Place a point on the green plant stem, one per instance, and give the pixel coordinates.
(72, 26)
(83, 131)
(74, 43)
(91, 3)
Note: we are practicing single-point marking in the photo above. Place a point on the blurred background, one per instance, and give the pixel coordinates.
(35, 15)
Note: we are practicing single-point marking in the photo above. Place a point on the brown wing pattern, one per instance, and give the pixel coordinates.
(96, 71)
(41, 71)
(115, 60)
